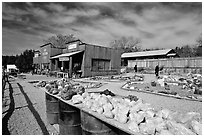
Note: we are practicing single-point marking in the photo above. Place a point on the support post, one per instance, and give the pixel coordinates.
(70, 66)
(56, 64)
(63, 65)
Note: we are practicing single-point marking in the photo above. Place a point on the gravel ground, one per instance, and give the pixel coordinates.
(158, 102)
(23, 106)
(23, 109)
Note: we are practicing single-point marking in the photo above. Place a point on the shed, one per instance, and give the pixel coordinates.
(155, 54)
(41, 59)
(91, 60)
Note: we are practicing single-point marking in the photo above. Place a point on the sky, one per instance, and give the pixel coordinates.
(157, 25)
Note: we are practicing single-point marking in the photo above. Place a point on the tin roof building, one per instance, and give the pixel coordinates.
(150, 54)
(155, 54)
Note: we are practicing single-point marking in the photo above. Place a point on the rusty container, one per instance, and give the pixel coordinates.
(94, 126)
(52, 109)
(69, 120)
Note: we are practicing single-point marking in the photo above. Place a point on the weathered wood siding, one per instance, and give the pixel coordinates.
(37, 60)
(55, 51)
(98, 52)
(180, 64)
(45, 54)
(78, 47)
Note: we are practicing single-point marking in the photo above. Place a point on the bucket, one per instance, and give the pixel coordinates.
(69, 120)
(52, 109)
(94, 126)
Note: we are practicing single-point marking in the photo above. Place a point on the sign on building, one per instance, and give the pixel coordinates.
(72, 46)
(64, 59)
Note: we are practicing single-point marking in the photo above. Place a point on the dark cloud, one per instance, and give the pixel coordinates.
(83, 21)
(128, 22)
(74, 5)
(138, 7)
(168, 28)
(147, 35)
(101, 22)
(74, 29)
(13, 24)
(19, 5)
(184, 6)
(183, 32)
(107, 12)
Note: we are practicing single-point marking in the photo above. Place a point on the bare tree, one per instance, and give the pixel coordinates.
(127, 44)
(60, 40)
(199, 40)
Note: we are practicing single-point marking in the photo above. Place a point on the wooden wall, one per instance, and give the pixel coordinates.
(98, 52)
(79, 47)
(45, 54)
(180, 64)
(37, 60)
(55, 51)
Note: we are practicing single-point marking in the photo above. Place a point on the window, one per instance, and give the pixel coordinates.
(100, 64)
(94, 65)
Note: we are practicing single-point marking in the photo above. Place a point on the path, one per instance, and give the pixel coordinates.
(23, 110)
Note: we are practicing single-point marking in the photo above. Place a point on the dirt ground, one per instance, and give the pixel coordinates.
(24, 108)
(158, 102)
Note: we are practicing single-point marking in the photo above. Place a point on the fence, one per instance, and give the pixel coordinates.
(183, 65)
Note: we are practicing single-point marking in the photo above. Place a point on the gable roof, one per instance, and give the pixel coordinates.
(74, 41)
(146, 53)
(46, 44)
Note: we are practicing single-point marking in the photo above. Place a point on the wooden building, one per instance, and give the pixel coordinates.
(36, 61)
(79, 57)
(90, 60)
(41, 59)
(155, 54)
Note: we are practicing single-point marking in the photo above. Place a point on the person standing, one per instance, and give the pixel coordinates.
(157, 71)
(47, 72)
(135, 68)
(62, 69)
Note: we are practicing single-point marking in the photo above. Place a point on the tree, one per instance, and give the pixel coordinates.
(60, 40)
(189, 51)
(20, 61)
(6, 60)
(127, 44)
(24, 61)
(199, 41)
(198, 50)
(184, 51)
(153, 49)
(194, 50)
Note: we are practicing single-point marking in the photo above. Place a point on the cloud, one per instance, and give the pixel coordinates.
(163, 24)
(15, 42)
(156, 24)
(38, 12)
(10, 13)
(146, 34)
(56, 7)
(82, 12)
(8, 9)
(62, 20)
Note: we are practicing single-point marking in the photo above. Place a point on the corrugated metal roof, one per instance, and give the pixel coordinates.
(145, 53)
(46, 44)
(66, 54)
